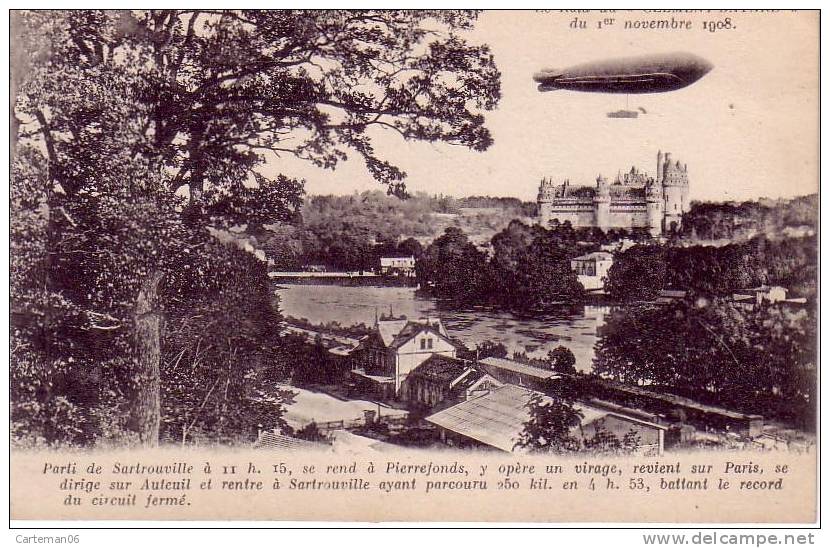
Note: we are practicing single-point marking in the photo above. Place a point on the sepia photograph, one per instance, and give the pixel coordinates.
(414, 265)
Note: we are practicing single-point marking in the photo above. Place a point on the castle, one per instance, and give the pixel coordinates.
(633, 200)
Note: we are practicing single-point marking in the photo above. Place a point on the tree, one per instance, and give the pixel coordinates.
(562, 360)
(531, 266)
(549, 427)
(604, 442)
(544, 275)
(143, 133)
(638, 274)
(490, 349)
(410, 247)
(311, 432)
(452, 268)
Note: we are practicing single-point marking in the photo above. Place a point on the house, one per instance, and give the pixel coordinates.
(592, 269)
(512, 372)
(757, 295)
(441, 379)
(397, 266)
(701, 415)
(393, 349)
(497, 419)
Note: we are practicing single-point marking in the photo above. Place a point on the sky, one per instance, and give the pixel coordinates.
(748, 129)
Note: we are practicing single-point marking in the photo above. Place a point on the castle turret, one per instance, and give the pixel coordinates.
(545, 200)
(654, 207)
(675, 183)
(602, 204)
(659, 168)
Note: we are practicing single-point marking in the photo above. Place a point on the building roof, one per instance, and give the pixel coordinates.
(496, 418)
(392, 260)
(468, 379)
(275, 441)
(764, 288)
(381, 379)
(516, 367)
(678, 400)
(389, 329)
(440, 368)
(395, 333)
(411, 330)
(595, 256)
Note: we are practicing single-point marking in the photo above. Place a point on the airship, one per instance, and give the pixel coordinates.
(656, 73)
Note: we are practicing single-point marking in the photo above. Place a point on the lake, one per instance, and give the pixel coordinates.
(573, 327)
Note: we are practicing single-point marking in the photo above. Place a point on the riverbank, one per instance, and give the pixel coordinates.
(575, 327)
(349, 279)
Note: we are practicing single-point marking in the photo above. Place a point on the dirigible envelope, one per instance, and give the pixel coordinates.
(656, 73)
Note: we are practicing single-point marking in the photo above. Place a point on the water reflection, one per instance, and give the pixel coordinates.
(573, 327)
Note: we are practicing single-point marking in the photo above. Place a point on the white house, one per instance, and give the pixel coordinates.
(592, 269)
(397, 266)
(396, 347)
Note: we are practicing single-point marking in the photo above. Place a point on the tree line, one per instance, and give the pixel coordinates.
(528, 267)
(352, 232)
(761, 361)
(743, 220)
(639, 273)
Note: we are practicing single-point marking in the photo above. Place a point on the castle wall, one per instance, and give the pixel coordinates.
(620, 214)
(628, 216)
(578, 213)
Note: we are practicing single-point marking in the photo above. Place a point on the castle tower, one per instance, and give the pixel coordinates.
(675, 183)
(545, 201)
(602, 204)
(654, 207)
(659, 175)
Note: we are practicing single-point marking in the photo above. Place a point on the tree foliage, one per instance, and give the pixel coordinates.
(759, 361)
(138, 136)
(562, 360)
(640, 272)
(744, 220)
(637, 274)
(452, 267)
(529, 268)
(605, 442)
(549, 427)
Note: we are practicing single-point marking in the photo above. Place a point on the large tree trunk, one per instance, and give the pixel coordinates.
(145, 412)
